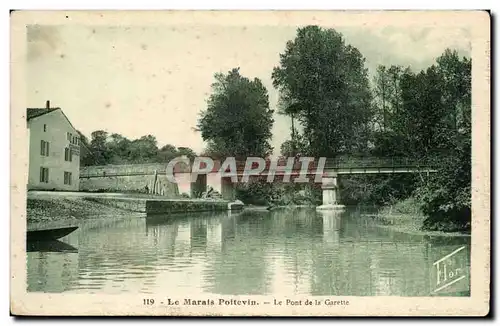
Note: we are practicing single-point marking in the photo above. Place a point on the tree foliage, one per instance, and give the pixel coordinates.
(237, 121)
(428, 115)
(446, 197)
(421, 115)
(116, 149)
(334, 111)
(326, 84)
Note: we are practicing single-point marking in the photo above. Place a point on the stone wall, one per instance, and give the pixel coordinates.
(185, 206)
(122, 170)
(130, 204)
(136, 178)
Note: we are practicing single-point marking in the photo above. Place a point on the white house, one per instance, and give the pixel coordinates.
(54, 150)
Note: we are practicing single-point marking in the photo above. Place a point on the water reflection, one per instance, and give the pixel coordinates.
(279, 252)
(331, 226)
(51, 272)
(49, 246)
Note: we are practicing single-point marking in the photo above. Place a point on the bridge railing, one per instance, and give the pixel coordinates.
(332, 163)
(350, 163)
(377, 162)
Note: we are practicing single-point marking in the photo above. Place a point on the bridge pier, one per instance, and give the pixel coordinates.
(199, 186)
(331, 194)
(227, 188)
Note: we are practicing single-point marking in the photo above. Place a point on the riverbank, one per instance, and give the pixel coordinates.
(409, 226)
(57, 209)
(405, 217)
(47, 212)
(275, 207)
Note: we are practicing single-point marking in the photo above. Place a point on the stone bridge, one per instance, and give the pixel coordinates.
(326, 172)
(151, 178)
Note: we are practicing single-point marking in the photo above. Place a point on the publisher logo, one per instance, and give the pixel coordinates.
(451, 273)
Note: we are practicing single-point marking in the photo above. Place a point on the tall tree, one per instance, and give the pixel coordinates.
(420, 119)
(456, 86)
(86, 154)
(144, 149)
(292, 148)
(167, 153)
(186, 151)
(99, 147)
(287, 106)
(381, 90)
(327, 82)
(237, 120)
(446, 196)
(119, 148)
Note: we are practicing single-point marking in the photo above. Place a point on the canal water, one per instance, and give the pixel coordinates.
(285, 252)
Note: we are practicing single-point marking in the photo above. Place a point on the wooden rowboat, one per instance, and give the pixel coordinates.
(49, 234)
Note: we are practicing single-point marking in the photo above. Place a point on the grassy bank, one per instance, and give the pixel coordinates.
(405, 216)
(59, 211)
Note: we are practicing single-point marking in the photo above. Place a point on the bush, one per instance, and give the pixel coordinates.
(408, 206)
(255, 193)
(376, 189)
(282, 194)
(445, 198)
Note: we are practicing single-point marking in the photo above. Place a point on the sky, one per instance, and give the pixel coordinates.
(156, 79)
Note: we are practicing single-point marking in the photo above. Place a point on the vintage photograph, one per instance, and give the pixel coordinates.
(226, 164)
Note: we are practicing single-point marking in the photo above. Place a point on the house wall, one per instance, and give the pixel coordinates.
(55, 134)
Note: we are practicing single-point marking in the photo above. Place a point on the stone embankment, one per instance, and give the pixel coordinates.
(56, 209)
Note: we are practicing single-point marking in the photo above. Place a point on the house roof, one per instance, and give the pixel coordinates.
(36, 112)
(32, 113)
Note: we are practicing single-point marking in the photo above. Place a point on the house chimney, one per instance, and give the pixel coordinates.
(47, 104)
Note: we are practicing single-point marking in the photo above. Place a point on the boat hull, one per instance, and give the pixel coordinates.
(49, 234)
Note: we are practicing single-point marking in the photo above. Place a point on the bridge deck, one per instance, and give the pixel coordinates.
(331, 166)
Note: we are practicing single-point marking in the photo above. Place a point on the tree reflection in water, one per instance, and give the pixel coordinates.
(253, 252)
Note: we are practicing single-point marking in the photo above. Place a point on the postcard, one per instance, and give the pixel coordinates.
(250, 163)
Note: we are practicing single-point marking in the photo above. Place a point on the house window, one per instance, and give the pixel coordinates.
(67, 178)
(44, 148)
(44, 175)
(68, 154)
(68, 136)
(44, 128)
